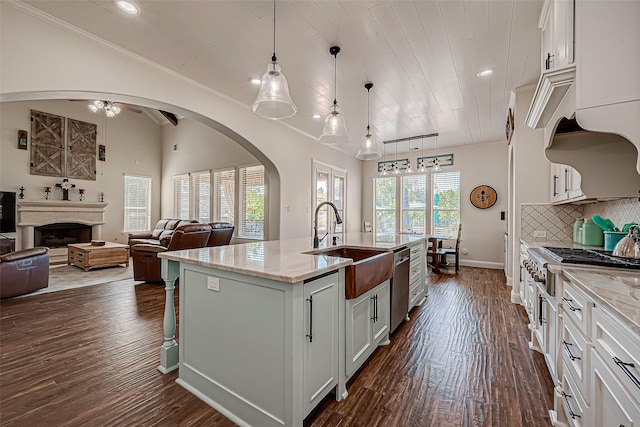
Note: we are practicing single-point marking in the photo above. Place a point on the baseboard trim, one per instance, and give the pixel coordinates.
(482, 264)
(515, 298)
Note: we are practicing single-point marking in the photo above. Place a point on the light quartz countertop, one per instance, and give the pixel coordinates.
(618, 291)
(286, 260)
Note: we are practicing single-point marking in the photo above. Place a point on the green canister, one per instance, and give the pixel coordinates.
(592, 235)
(577, 230)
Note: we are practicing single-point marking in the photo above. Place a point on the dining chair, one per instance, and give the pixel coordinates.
(443, 253)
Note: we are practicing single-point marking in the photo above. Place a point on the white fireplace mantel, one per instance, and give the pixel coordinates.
(43, 212)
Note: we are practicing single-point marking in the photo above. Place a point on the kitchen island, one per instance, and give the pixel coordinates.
(262, 325)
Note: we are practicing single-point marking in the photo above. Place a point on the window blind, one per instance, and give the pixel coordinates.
(446, 202)
(181, 196)
(413, 203)
(252, 197)
(224, 196)
(137, 203)
(202, 196)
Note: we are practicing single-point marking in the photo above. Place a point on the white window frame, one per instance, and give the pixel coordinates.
(197, 194)
(241, 211)
(375, 205)
(216, 200)
(434, 209)
(333, 173)
(402, 210)
(178, 197)
(147, 215)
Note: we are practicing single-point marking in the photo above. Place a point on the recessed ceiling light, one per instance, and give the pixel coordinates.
(128, 7)
(316, 116)
(255, 81)
(485, 73)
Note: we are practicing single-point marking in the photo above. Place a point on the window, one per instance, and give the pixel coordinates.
(385, 205)
(137, 203)
(414, 203)
(181, 196)
(329, 185)
(202, 196)
(446, 202)
(252, 196)
(224, 195)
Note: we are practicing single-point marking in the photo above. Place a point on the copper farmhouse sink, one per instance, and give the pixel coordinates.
(369, 269)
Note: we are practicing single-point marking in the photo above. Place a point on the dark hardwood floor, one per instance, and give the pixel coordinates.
(88, 357)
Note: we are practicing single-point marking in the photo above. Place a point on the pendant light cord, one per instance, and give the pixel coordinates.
(368, 108)
(335, 79)
(273, 58)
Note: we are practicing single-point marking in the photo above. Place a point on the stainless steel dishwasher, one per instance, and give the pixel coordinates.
(400, 287)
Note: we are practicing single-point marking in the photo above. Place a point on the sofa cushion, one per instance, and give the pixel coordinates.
(156, 232)
(133, 242)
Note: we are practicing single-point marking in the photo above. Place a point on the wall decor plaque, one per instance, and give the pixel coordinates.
(483, 197)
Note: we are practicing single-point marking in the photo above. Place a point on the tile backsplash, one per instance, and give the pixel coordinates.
(555, 221)
(620, 211)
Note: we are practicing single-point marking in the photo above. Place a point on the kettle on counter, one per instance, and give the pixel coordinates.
(629, 246)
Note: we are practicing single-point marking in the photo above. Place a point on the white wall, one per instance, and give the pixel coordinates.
(133, 146)
(482, 229)
(199, 148)
(531, 176)
(28, 41)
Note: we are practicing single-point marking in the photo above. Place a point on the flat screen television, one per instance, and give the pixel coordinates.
(7, 212)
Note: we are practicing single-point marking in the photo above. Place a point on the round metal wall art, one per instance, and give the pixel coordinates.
(483, 197)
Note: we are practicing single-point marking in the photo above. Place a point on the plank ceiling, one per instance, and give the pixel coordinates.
(423, 56)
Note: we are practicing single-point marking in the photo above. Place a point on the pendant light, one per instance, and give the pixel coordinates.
(369, 148)
(422, 166)
(335, 129)
(273, 100)
(436, 163)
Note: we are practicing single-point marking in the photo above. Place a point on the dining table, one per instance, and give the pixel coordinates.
(436, 242)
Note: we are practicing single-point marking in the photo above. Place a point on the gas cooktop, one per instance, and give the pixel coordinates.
(590, 257)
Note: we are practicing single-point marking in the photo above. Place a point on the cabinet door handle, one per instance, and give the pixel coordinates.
(541, 301)
(626, 370)
(571, 307)
(555, 185)
(566, 179)
(373, 315)
(572, 414)
(568, 350)
(310, 334)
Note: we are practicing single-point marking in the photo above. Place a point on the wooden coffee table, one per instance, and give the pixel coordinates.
(88, 256)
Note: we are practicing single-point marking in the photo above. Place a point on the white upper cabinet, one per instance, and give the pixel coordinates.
(556, 22)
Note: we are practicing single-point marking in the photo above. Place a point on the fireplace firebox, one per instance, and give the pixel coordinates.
(61, 234)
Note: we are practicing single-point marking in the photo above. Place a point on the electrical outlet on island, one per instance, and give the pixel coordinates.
(539, 234)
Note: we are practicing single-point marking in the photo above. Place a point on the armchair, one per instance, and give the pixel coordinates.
(24, 271)
(146, 264)
(221, 233)
(161, 233)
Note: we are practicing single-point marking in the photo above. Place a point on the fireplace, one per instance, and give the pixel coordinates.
(61, 234)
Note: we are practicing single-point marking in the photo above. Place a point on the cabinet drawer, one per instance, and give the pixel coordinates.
(576, 306)
(573, 403)
(415, 273)
(415, 294)
(619, 349)
(416, 251)
(575, 357)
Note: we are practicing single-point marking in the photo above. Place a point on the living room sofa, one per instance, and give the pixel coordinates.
(221, 233)
(146, 264)
(23, 272)
(161, 233)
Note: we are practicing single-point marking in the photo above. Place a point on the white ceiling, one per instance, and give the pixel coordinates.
(422, 56)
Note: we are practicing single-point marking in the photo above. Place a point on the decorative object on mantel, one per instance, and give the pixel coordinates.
(101, 196)
(47, 193)
(22, 139)
(66, 186)
(21, 195)
(483, 197)
(98, 243)
(81, 196)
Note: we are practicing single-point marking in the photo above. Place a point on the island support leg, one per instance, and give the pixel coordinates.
(169, 350)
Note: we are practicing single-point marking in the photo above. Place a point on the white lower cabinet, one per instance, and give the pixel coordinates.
(367, 325)
(321, 346)
(418, 288)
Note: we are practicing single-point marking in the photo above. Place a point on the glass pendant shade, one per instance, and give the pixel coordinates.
(436, 165)
(273, 100)
(335, 129)
(368, 148)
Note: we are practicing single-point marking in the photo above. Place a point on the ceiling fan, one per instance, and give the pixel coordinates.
(112, 109)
